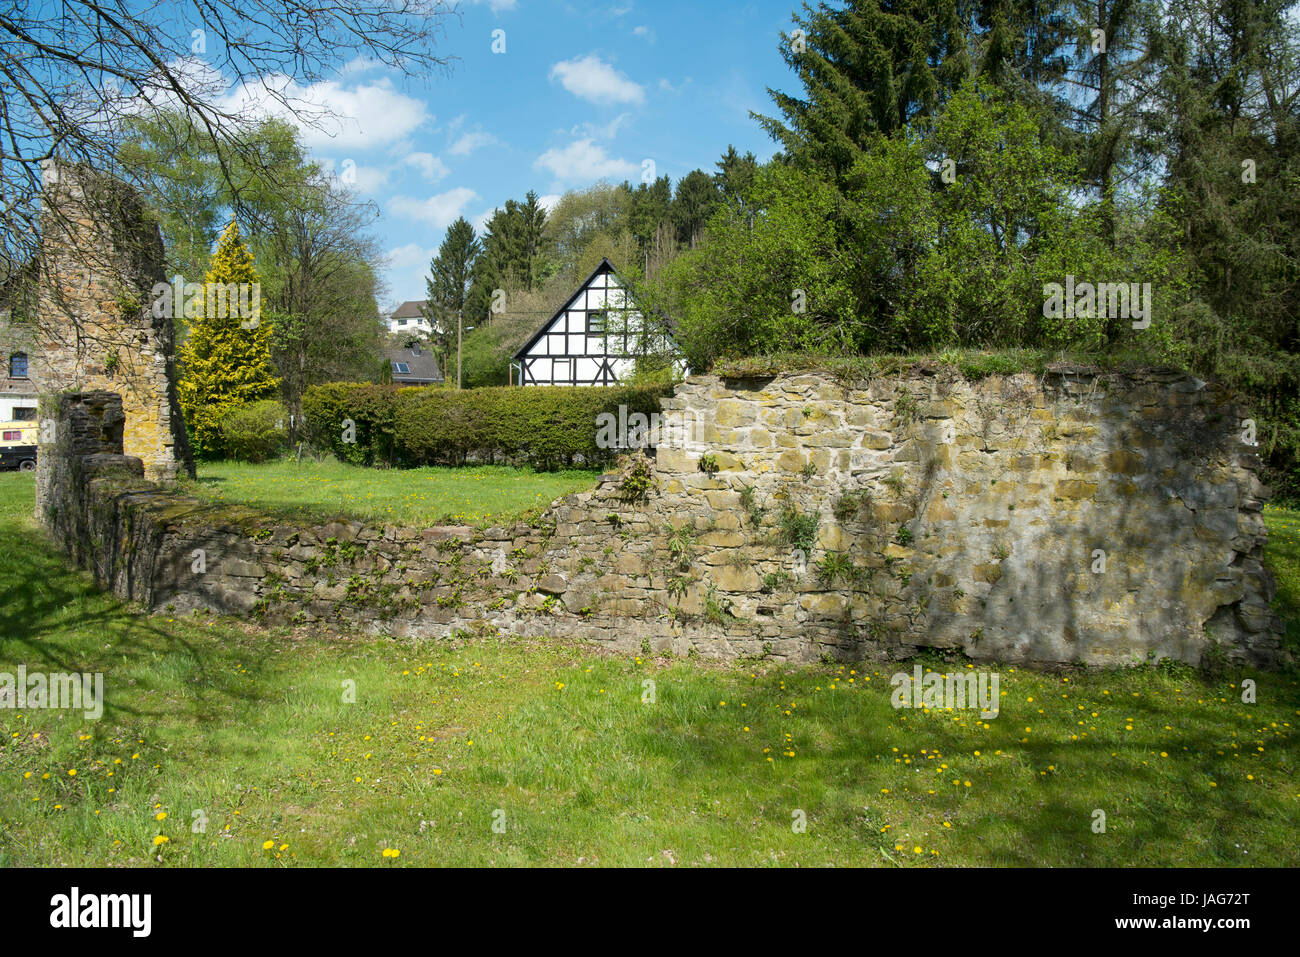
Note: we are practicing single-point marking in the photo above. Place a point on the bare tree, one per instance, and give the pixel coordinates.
(72, 73)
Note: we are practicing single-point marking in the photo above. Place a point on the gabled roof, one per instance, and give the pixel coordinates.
(411, 309)
(422, 363)
(603, 265)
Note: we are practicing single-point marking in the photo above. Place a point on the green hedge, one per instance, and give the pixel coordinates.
(253, 431)
(543, 426)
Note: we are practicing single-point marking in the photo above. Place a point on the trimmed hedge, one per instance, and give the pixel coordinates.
(543, 426)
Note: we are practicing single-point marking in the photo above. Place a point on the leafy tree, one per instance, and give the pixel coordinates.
(226, 361)
(586, 225)
(73, 83)
(176, 166)
(783, 283)
(1003, 228)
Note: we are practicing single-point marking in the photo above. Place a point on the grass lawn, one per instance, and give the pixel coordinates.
(321, 491)
(247, 732)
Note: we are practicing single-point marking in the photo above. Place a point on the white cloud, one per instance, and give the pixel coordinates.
(644, 31)
(467, 143)
(430, 166)
(439, 211)
(405, 270)
(669, 88)
(594, 80)
(584, 161)
(480, 221)
(549, 201)
(364, 179)
(412, 254)
(496, 5)
(600, 131)
(360, 64)
(332, 115)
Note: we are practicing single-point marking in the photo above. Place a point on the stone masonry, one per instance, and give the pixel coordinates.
(101, 256)
(1076, 517)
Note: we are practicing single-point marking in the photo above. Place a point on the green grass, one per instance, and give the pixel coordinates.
(249, 727)
(1284, 560)
(322, 491)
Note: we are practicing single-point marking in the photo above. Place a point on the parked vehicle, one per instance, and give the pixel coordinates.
(18, 446)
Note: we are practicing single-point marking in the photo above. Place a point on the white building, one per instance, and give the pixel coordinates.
(592, 339)
(409, 317)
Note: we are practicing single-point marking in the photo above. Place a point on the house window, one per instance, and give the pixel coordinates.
(596, 323)
(18, 365)
(401, 368)
(24, 413)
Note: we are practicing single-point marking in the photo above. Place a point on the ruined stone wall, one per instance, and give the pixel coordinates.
(1074, 517)
(101, 256)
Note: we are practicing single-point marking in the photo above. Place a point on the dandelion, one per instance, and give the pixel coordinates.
(160, 840)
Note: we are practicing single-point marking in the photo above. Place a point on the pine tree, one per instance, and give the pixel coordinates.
(735, 175)
(867, 69)
(693, 204)
(1112, 64)
(513, 256)
(226, 360)
(449, 278)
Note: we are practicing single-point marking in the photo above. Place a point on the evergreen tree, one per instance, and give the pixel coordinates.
(693, 204)
(449, 278)
(226, 360)
(1230, 126)
(867, 69)
(513, 256)
(650, 205)
(735, 175)
(1111, 65)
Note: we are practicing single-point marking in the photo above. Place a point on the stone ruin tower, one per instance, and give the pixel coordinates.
(101, 255)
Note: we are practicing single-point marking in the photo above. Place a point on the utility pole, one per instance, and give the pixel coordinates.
(458, 336)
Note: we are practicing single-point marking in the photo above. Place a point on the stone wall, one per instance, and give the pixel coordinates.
(1074, 517)
(101, 256)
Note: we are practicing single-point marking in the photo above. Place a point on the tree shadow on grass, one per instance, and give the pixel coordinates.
(54, 619)
(1012, 816)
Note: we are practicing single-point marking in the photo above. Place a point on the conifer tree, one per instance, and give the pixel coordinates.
(226, 360)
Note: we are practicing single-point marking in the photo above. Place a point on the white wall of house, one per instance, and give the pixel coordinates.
(12, 404)
(410, 325)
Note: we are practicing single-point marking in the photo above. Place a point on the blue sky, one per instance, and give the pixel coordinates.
(581, 93)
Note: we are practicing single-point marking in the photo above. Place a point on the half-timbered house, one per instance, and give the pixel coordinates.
(594, 338)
